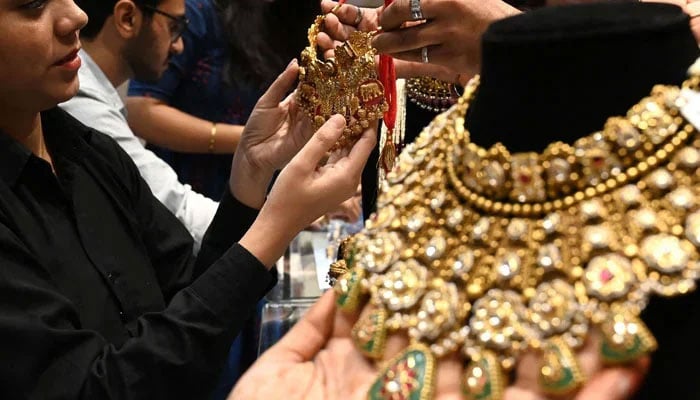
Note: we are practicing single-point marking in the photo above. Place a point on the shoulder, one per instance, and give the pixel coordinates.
(202, 16)
(90, 145)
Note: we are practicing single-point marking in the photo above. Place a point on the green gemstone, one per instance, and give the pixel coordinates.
(348, 290)
(409, 377)
(483, 378)
(369, 333)
(350, 258)
(564, 372)
(617, 354)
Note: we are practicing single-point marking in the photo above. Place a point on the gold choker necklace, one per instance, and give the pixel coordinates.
(489, 254)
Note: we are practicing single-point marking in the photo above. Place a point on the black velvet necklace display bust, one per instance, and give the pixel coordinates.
(558, 74)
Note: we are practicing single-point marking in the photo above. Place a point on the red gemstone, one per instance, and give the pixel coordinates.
(525, 178)
(598, 161)
(606, 275)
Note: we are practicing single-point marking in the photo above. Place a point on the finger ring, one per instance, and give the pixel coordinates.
(416, 12)
(424, 54)
(358, 19)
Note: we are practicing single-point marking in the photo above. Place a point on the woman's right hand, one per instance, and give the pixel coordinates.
(304, 191)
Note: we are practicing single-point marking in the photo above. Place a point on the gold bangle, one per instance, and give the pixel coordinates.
(212, 138)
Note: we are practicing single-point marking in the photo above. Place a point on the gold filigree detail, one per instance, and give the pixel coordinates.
(347, 84)
(545, 246)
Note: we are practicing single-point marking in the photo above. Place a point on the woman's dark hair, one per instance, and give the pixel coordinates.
(263, 36)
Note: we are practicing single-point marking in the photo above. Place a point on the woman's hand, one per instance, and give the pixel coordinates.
(338, 26)
(304, 190)
(452, 33)
(317, 360)
(276, 130)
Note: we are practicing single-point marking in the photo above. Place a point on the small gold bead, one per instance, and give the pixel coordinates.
(569, 201)
(537, 208)
(507, 208)
(590, 192)
(547, 207)
(497, 207)
(517, 208)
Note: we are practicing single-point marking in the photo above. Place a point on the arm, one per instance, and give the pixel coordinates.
(175, 354)
(158, 123)
(153, 118)
(193, 210)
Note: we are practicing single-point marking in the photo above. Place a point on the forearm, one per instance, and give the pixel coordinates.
(160, 124)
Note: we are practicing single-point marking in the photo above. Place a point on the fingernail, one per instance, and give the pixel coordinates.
(338, 120)
(294, 61)
(624, 386)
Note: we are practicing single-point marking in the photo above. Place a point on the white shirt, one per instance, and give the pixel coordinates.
(99, 106)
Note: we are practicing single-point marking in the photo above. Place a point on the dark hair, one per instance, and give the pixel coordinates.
(263, 36)
(99, 10)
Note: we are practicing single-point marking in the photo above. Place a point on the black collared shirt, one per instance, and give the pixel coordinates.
(100, 295)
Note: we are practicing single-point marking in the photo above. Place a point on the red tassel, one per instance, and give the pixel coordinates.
(387, 76)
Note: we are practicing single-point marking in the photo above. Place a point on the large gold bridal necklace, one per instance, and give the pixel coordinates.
(490, 254)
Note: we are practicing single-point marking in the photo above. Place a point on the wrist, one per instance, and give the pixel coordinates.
(247, 183)
(268, 237)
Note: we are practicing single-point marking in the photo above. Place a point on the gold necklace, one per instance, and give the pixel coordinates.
(488, 254)
(431, 94)
(347, 84)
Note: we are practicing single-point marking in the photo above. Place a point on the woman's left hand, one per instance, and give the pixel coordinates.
(276, 130)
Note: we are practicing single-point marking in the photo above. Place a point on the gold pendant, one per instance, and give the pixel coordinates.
(347, 84)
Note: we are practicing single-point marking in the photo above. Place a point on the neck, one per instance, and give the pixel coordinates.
(25, 128)
(105, 50)
(557, 74)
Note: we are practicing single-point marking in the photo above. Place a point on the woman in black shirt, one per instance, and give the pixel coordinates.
(100, 295)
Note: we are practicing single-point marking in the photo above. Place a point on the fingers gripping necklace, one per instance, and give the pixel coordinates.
(350, 85)
(488, 254)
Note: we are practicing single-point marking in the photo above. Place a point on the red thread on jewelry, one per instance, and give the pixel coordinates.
(387, 76)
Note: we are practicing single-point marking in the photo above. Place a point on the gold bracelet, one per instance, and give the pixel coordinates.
(212, 139)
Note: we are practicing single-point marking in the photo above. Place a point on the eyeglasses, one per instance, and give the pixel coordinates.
(180, 22)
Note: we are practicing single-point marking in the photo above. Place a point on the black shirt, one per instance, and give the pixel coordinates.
(100, 295)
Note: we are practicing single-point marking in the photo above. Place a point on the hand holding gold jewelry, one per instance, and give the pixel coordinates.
(316, 360)
(450, 37)
(341, 21)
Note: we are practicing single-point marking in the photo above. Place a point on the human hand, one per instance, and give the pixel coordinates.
(452, 32)
(276, 130)
(348, 211)
(305, 191)
(337, 29)
(317, 360)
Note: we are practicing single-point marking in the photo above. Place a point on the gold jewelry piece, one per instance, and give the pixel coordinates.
(212, 137)
(489, 254)
(347, 84)
(431, 94)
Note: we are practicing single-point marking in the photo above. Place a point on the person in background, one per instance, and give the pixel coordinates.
(192, 117)
(115, 50)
